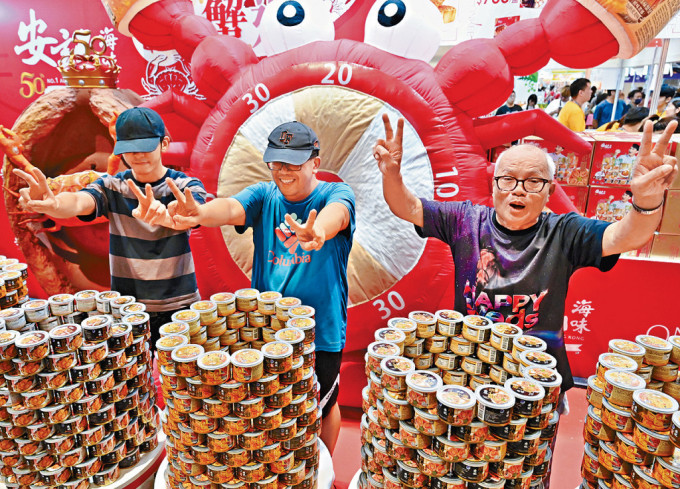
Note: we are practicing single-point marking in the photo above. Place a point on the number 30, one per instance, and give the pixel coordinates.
(395, 300)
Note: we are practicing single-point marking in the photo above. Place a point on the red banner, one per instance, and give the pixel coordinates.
(636, 297)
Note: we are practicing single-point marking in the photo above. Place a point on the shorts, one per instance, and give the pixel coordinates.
(327, 368)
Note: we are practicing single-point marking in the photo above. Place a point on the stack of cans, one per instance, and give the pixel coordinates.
(457, 402)
(77, 397)
(242, 398)
(13, 285)
(632, 428)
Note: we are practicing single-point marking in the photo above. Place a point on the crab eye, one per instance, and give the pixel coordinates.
(391, 13)
(290, 13)
(407, 28)
(288, 24)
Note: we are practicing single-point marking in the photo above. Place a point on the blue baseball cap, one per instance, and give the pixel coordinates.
(138, 130)
(291, 142)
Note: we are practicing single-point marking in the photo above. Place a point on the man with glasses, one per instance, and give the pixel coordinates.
(309, 260)
(513, 261)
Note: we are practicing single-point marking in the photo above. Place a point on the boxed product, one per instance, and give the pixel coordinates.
(675, 151)
(666, 247)
(570, 168)
(614, 157)
(632, 426)
(609, 203)
(670, 222)
(578, 196)
(643, 252)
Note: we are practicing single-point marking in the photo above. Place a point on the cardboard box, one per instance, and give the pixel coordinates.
(570, 168)
(644, 252)
(608, 203)
(670, 222)
(614, 157)
(613, 160)
(666, 247)
(578, 196)
(675, 151)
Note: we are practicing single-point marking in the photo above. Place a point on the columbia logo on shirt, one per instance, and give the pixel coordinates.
(290, 241)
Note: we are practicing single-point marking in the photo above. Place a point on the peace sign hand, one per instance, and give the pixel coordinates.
(310, 237)
(37, 197)
(149, 210)
(389, 151)
(185, 211)
(654, 171)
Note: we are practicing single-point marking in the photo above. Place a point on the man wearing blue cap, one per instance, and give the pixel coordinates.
(309, 260)
(149, 260)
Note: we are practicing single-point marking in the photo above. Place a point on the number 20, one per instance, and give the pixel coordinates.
(344, 74)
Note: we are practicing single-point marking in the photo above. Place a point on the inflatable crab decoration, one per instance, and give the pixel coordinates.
(339, 79)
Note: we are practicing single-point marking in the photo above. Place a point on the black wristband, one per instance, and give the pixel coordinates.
(647, 212)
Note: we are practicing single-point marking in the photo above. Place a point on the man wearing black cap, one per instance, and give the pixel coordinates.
(309, 260)
(150, 261)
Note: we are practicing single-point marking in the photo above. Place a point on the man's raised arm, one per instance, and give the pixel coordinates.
(654, 172)
(388, 152)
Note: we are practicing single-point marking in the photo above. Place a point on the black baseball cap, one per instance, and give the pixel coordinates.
(291, 142)
(138, 130)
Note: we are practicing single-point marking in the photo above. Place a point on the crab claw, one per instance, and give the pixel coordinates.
(14, 194)
(216, 63)
(566, 38)
(215, 59)
(489, 65)
(112, 125)
(13, 146)
(494, 131)
(474, 67)
(113, 164)
(171, 24)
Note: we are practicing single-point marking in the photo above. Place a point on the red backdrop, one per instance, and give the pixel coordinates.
(33, 37)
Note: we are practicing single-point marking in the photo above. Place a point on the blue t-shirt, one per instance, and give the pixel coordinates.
(519, 277)
(603, 112)
(318, 278)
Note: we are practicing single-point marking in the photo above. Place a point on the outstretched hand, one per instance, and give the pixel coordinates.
(37, 197)
(185, 211)
(311, 237)
(388, 152)
(655, 170)
(149, 210)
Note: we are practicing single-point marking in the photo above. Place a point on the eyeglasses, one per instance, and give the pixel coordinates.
(277, 165)
(531, 185)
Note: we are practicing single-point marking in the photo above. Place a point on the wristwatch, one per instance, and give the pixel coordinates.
(648, 212)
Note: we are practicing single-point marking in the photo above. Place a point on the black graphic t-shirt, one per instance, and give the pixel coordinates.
(519, 277)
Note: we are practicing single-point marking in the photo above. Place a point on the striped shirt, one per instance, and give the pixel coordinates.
(152, 263)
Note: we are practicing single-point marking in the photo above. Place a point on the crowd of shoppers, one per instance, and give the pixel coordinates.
(579, 105)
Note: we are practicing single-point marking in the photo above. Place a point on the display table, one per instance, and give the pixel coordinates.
(326, 473)
(141, 476)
